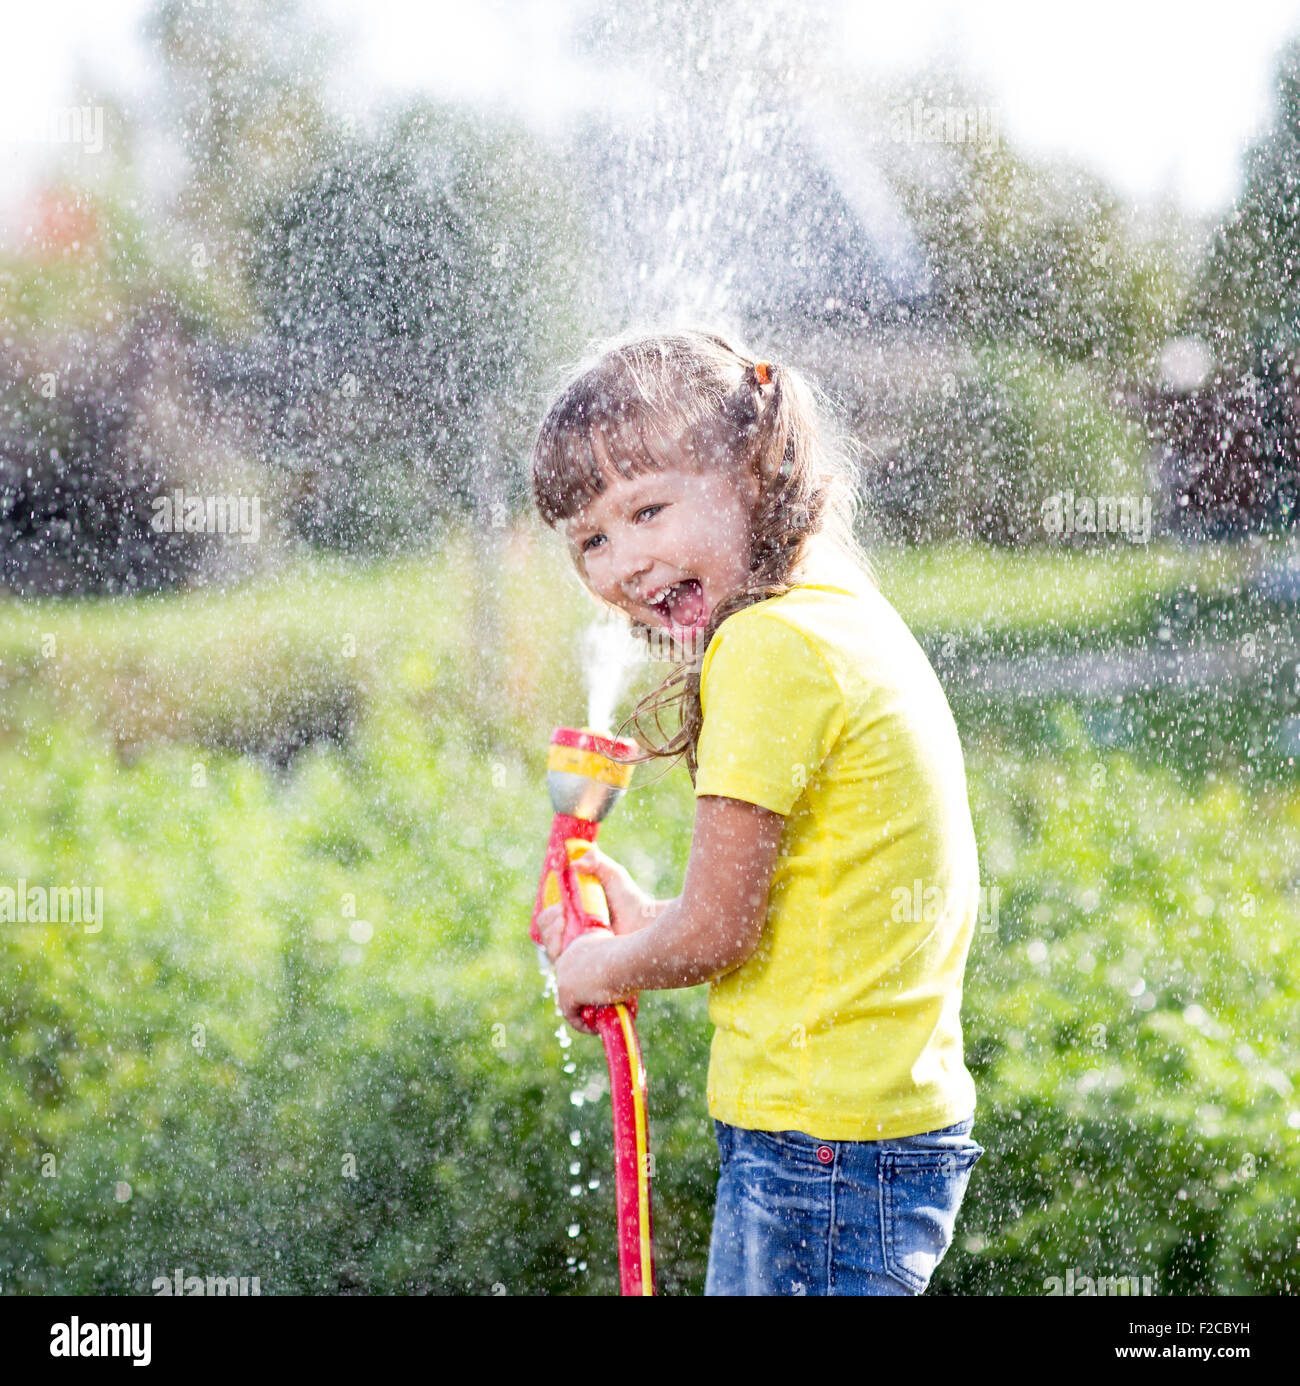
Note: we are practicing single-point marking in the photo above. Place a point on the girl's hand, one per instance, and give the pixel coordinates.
(580, 976)
(630, 908)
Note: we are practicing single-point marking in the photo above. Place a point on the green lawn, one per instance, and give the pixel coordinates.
(966, 589)
(492, 625)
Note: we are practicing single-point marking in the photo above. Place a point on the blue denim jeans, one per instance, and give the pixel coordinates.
(801, 1216)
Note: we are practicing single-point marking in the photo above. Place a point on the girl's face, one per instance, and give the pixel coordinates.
(666, 547)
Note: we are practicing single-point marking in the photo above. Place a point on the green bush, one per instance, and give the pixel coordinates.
(350, 938)
(977, 459)
(289, 977)
(1130, 1013)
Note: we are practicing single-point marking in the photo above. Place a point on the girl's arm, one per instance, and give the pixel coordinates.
(711, 928)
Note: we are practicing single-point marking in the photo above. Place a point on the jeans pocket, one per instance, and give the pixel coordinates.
(921, 1191)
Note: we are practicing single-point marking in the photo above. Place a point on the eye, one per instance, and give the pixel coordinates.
(648, 510)
(587, 543)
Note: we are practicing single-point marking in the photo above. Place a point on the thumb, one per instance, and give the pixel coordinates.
(593, 862)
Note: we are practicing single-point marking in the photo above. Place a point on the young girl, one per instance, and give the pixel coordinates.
(690, 483)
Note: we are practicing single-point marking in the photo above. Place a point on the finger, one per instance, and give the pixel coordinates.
(591, 862)
(575, 1021)
(550, 924)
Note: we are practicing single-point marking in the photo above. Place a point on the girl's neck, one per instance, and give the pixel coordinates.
(819, 554)
(824, 561)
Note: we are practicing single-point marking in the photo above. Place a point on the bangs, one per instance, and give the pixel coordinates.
(610, 422)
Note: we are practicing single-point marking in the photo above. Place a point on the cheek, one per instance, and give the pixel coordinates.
(725, 535)
(594, 572)
(587, 570)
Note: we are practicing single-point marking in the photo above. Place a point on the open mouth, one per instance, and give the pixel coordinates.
(681, 607)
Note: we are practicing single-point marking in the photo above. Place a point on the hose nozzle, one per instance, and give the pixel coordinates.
(586, 774)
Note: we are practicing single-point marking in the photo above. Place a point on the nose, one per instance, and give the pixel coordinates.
(631, 562)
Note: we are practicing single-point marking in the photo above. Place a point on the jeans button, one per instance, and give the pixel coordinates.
(825, 1154)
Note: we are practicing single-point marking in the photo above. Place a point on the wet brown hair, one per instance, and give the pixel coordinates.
(650, 402)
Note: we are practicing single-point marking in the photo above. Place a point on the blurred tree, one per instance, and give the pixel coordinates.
(974, 454)
(86, 444)
(412, 288)
(1250, 285)
(126, 271)
(242, 108)
(1232, 442)
(1044, 256)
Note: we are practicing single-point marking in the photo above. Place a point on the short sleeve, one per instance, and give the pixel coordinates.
(771, 712)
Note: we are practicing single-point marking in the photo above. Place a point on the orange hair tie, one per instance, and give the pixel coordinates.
(762, 372)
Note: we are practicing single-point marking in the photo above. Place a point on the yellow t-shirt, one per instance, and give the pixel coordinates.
(844, 1023)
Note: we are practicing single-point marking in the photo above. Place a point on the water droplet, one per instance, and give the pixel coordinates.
(575, 1137)
(574, 1229)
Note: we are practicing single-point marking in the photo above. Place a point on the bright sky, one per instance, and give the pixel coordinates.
(1156, 97)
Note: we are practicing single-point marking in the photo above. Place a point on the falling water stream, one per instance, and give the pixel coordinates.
(608, 656)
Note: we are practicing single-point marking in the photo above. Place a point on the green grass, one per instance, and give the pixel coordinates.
(314, 641)
(973, 590)
(495, 626)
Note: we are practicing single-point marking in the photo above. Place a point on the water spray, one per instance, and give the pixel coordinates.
(586, 775)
